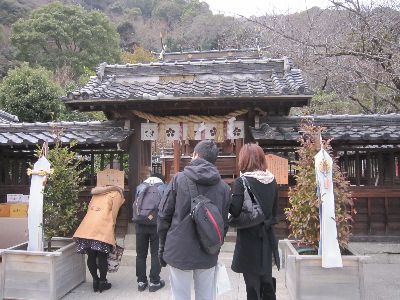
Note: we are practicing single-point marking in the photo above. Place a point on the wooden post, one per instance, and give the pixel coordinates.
(368, 168)
(357, 168)
(248, 122)
(380, 169)
(177, 156)
(92, 176)
(238, 144)
(135, 156)
(392, 167)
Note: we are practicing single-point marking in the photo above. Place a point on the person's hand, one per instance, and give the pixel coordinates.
(160, 257)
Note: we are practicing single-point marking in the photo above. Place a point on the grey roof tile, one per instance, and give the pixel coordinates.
(371, 128)
(235, 77)
(6, 117)
(107, 132)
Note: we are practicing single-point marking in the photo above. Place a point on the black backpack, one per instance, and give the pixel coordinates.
(208, 220)
(145, 208)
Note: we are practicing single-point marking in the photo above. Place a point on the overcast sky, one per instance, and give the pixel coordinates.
(261, 7)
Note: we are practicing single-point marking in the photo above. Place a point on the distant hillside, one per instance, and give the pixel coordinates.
(348, 53)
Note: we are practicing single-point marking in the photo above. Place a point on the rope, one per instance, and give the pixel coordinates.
(188, 118)
(39, 172)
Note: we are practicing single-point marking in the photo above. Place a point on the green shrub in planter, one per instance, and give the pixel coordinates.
(303, 213)
(61, 204)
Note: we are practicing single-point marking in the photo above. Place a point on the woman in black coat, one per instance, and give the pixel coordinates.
(256, 245)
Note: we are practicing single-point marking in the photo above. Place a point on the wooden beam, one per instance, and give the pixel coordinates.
(177, 156)
(135, 155)
(238, 147)
(357, 168)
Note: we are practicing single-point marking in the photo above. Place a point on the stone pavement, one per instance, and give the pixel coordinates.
(125, 287)
(382, 278)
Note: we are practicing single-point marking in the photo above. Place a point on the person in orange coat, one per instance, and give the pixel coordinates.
(95, 235)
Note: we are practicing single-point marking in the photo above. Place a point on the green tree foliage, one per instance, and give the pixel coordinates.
(168, 10)
(126, 31)
(61, 194)
(57, 35)
(30, 94)
(140, 55)
(303, 213)
(11, 11)
(145, 6)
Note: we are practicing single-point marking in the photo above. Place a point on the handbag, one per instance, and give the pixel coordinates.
(251, 214)
(114, 259)
(222, 282)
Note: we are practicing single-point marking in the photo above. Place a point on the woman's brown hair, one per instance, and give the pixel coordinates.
(252, 158)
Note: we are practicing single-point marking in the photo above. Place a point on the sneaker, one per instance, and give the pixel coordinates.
(154, 287)
(142, 286)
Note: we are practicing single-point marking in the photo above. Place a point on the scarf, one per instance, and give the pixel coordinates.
(262, 176)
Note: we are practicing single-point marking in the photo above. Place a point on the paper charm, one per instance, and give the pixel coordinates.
(172, 132)
(198, 129)
(149, 131)
(211, 131)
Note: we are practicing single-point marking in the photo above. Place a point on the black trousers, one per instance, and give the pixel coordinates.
(97, 260)
(259, 287)
(143, 239)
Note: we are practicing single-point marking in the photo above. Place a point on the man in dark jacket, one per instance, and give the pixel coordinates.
(179, 243)
(147, 234)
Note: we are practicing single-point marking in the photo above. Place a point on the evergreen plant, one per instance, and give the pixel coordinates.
(303, 213)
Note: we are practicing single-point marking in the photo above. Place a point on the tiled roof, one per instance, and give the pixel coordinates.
(213, 54)
(251, 77)
(352, 128)
(6, 117)
(85, 133)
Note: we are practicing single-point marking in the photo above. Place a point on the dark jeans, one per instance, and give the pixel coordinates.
(142, 247)
(259, 287)
(97, 260)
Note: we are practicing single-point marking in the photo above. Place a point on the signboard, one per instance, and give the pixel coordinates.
(111, 177)
(16, 198)
(279, 167)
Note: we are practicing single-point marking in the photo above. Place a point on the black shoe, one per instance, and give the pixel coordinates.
(154, 287)
(95, 285)
(104, 285)
(142, 286)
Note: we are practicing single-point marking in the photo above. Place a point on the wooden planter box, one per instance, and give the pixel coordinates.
(41, 275)
(305, 279)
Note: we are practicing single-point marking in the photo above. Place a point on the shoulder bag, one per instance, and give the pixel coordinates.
(251, 214)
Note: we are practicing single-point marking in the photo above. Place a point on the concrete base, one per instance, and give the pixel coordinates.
(41, 275)
(380, 253)
(305, 278)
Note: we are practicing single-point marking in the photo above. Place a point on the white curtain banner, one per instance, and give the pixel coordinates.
(149, 131)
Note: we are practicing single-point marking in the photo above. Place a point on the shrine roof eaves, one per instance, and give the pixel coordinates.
(84, 133)
(340, 128)
(7, 117)
(195, 79)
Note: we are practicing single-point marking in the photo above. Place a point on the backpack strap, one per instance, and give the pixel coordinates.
(141, 195)
(193, 191)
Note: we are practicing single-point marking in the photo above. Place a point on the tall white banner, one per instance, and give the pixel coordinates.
(35, 210)
(328, 245)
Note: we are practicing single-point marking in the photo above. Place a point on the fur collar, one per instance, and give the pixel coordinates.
(262, 176)
(105, 189)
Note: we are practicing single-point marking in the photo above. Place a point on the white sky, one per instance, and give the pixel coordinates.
(261, 7)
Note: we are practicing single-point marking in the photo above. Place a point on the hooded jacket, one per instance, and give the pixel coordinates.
(100, 219)
(176, 228)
